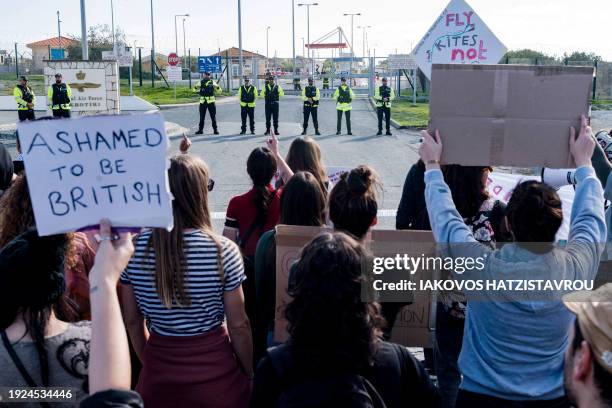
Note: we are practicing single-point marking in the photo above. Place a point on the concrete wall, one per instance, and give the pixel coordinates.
(95, 86)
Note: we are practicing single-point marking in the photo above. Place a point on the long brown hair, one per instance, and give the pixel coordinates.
(305, 155)
(302, 201)
(188, 178)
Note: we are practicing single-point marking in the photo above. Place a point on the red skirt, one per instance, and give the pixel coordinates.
(192, 371)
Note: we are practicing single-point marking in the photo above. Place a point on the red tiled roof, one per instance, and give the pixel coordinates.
(54, 42)
(234, 52)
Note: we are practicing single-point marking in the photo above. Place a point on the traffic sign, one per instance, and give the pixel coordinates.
(173, 59)
(175, 73)
(401, 61)
(210, 64)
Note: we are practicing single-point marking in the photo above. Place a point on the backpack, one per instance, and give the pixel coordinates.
(346, 391)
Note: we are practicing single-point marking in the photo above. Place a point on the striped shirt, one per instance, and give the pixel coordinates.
(202, 282)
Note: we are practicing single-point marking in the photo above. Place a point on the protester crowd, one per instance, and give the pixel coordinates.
(192, 312)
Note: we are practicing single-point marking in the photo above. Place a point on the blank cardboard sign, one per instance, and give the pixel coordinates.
(508, 115)
(415, 323)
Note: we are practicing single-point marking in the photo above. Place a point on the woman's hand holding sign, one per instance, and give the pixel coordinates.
(430, 150)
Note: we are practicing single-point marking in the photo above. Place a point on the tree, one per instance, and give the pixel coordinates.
(99, 38)
(582, 57)
(529, 54)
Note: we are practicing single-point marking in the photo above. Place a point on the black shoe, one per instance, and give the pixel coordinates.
(243, 132)
(199, 132)
(317, 132)
(389, 133)
(276, 132)
(338, 133)
(379, 133)
(253, 131)
(268, 133)
(350, 133)
(216, 132)
(303, 132)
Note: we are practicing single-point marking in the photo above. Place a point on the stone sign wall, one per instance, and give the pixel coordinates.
(95, 85)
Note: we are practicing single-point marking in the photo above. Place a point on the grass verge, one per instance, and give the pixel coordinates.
(407, 114)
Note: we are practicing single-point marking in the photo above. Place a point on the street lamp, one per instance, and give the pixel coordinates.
(363, 44)
(303, 48)
(240, 73)
(175, 31)
(308, 29)
(267, 43)
(113, 28)
(352, 50)
(184, 44)
(152, 49)
(59, 32)
(84, 45)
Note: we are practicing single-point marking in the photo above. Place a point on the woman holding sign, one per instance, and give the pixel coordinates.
(196, 349)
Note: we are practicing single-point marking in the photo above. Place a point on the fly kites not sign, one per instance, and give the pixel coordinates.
(458, 36)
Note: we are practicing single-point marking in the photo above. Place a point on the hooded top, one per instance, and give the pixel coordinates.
(514, 342)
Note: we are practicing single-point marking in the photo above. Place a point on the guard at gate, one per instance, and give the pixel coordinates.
(208, 90)
(59, 95)
(25, 98)
(344, 96)
(272, 93)
(383, 97)
(311, 96)
(247, 94)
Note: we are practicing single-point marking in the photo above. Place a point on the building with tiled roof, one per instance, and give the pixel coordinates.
(42, 50)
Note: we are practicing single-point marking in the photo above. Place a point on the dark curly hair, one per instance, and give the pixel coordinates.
(330, 327)
(534, 214)
(32, 286)
(467, 187)
(353, 201)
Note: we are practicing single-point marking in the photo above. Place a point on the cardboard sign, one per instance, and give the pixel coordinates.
(508, 115)
(458, 36)
(415, 323)
(82, 170)
(290, 239)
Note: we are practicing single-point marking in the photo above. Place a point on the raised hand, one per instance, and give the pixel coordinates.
(582, 147)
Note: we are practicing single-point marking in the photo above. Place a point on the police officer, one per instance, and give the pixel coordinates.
(208, 90)
(383, 97)
(311, 96)
(247, 94)
(272, 93)
(25, 98)
(344, 96)
(59, 95)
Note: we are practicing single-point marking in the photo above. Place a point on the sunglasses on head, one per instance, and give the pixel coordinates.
(211, 184)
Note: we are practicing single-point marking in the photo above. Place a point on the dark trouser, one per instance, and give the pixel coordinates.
(449, 337)
(61, 113)
(387, 113)
(348, 120)
(272, 113)
(250, 112)
(467, 399)
(26, 115)
(311, 110)
(212, 109)
(325, 85)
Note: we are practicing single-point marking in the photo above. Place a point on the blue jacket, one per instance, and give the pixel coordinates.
(514, 349)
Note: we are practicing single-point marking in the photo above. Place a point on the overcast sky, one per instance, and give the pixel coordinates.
(552, 26)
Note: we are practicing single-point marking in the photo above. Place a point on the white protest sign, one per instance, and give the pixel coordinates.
(82, 170)
(501, 185)
(334, 173)
(458, 36)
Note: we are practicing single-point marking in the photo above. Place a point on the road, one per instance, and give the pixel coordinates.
(226, 154)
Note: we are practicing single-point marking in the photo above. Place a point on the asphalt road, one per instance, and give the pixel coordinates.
(226, 154)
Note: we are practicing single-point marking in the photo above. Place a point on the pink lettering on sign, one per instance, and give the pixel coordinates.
(449, 18)
(481, 51)
(455, 53)
(472, 53)
(458, 20)
(469, 16)
(497, 190)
